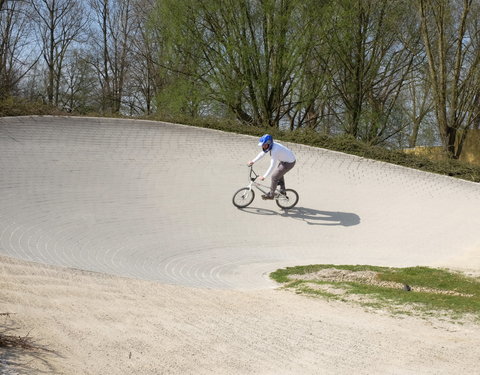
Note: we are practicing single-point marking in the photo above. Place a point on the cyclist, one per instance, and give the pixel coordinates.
(279, 153)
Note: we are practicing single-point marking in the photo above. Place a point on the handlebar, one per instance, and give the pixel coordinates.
(252, 172)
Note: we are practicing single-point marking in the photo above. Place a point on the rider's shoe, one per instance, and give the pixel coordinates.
(283, 192)
(267, 196)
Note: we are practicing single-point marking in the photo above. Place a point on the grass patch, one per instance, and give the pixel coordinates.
(430, 291)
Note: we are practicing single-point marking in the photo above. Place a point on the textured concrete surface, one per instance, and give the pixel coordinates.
(152, 201)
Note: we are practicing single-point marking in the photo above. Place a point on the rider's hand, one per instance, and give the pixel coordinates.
(250, 163)
(261, 178)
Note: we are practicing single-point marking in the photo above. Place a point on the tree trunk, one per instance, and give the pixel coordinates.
(412, 139)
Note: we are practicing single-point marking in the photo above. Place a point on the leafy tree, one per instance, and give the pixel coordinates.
(244, 53)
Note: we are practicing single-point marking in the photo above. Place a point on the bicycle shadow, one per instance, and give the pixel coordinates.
(311, 216)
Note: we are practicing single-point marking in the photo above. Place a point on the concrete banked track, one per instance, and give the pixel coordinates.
(153, 201)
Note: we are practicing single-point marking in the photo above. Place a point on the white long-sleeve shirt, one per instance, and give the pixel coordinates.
(278, 153)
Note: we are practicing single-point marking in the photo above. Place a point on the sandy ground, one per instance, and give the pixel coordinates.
(96, 324)
(122, 254)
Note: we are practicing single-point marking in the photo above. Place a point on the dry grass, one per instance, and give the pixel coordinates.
(8, 340)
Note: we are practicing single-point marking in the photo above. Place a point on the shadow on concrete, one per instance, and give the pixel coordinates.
(310, 216)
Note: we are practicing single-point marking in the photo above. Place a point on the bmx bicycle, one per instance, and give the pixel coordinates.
(244, 196)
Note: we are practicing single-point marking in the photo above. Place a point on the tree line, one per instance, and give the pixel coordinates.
(394, 72)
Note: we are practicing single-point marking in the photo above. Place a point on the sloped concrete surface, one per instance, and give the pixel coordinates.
(152, 201)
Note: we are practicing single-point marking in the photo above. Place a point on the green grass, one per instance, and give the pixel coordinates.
(395, 298)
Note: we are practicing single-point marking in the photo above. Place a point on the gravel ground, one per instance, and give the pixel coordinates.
(90, 323)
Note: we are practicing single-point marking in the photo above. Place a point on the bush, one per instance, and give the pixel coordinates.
(15, 106)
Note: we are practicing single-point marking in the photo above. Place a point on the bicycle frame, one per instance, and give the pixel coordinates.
(255, 184)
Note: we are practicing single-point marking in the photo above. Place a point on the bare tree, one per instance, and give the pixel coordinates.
(452, 46)
(146, 49)
(60, 23)
(417, 104)
(370, 65)
(16, 56)
(114, 21)
(79, 84)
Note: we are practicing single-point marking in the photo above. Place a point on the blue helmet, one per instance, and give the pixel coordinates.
(266, 139)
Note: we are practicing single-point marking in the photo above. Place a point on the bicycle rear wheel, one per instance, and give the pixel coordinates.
(287, 200)
(243, 197)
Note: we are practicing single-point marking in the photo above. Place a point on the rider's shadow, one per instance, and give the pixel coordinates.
(311, 216)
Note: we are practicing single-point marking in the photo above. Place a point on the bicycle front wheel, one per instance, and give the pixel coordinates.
(287, 200)
(243, 197)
